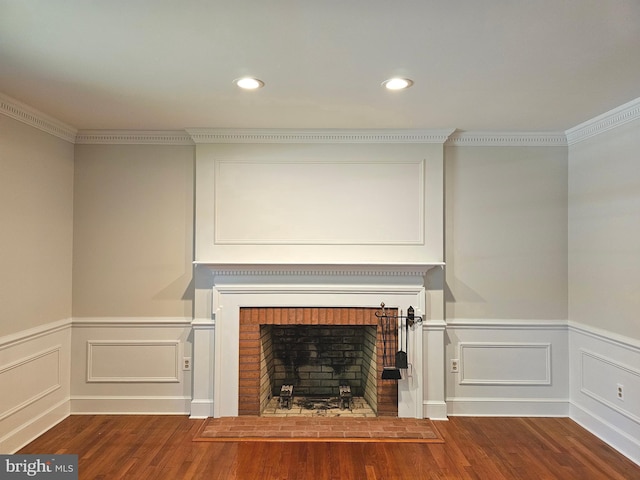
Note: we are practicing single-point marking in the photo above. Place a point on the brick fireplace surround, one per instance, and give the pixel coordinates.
(224, 290)
(249, 386)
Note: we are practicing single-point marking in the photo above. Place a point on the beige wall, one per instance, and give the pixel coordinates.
(506, 232)
(604, 231)
(36, 212)
(133, 231)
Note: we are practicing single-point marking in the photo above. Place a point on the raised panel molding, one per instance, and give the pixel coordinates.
(149, 361)
(487, 363)
(599, 380)
(38, 375)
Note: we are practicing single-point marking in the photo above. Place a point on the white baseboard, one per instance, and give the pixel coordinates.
(129, 405)
(607, 432)
(508, 407)
(201, 409)
(27, 432)
(435, 410)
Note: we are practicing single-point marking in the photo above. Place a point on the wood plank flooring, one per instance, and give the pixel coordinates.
(161, 447)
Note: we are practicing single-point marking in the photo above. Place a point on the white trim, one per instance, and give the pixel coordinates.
(25, 433)
(133, 137)
(133, 343)
(129, 405)
(606, 431)
(506, 324)
(119, 322)
(609, 337)
(507, 139)
(613, 363)
(23, 336)
(498, 345)
(223, 135)
(609, 120)
(25, 114)
(23, 361)
(508, 407)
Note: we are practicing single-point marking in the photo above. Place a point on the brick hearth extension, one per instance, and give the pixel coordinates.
(252, 317)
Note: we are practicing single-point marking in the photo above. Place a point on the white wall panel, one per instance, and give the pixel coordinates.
(37, 375)
(599, 362)
(133, 361)
(507, 367)
(34, 382)
(505, 363)
(130, 365)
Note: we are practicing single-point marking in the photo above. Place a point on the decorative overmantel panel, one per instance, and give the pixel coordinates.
(292, 197)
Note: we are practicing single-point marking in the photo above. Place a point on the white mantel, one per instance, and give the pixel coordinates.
(232, 286)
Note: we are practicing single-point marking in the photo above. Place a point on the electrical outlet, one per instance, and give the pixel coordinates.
(186, 363)
(455, 365)
(620, 392)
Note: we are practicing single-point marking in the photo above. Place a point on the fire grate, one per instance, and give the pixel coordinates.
(286, 396)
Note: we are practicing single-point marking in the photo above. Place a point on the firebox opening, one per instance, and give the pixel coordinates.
(323, 363)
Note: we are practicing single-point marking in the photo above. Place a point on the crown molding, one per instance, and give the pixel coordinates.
(209, 135)
(25, 114)
(613, 118)
(133, 137)
(505, 139)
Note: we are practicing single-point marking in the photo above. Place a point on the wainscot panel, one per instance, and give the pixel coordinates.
(605, 386)
(34, 381)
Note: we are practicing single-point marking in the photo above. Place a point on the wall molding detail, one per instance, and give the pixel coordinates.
(507, 139)
(602, 123)
(24, 362)
(25, 114)
(14, 339)
(212, 135)
(119, 322)
(608, 337)
(498, 349)
(93, 345)
(587, 356)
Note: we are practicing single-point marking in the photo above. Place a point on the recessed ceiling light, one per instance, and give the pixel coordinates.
(397, 83)
(248, 83)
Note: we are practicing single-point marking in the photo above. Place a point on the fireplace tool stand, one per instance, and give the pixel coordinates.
(390, 372)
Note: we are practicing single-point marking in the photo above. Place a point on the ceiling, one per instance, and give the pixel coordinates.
(490, 65)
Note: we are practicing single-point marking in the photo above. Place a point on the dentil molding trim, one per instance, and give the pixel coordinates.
(613, 118)
(505, 139)
(133, 137)
(208, 135)
(25, 114)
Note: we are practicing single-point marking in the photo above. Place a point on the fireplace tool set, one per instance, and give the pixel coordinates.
(389, 371)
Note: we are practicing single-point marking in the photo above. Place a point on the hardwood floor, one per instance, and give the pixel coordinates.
(161, 447)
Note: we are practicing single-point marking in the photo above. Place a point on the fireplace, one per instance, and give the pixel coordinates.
(316, 350)
(231, 296)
